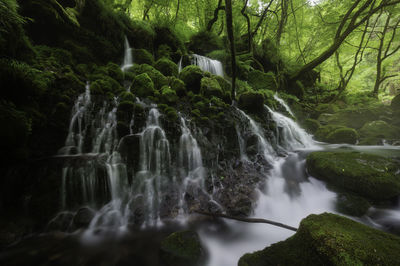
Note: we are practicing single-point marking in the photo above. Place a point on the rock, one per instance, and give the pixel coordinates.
(395, 104)
(142, 85)
(177, 85)
(158, 79)
(311, 125)
(192, 76)
(251, 101)
(83, 217)
(343, 135)
(352, 205)
(323, 131)
(166, 67)
(259, 80)
(210, 87)
(375, 132)
(168, 95)
(368, 175)
(142, 56)
(182, 249)
(329, 239)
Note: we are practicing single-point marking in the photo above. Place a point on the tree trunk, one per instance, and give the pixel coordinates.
(229, 26)
(215, 18)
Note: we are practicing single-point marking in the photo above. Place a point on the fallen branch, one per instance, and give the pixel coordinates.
(247, 220)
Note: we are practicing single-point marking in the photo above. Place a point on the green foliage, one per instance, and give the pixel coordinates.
(142, 56)
(210, 87)
(259, 80)
(205, 42)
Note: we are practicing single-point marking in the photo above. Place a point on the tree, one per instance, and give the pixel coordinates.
(229, 26)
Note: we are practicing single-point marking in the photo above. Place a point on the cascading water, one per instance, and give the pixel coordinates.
(208, 64)
(128, 59)
(284, 104)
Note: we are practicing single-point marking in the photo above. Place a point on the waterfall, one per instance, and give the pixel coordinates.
(289, 135)
(208, 64)
(284, 104)
(128, 60)
(180, 65)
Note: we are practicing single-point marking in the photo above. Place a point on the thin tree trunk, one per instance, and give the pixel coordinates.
(229, 26)
(249, 37)
(215, 17)
(282, 22)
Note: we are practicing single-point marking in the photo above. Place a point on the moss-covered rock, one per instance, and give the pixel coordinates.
(143, 86)
(168, 95)
(329, 239)
(166, 67)
(326, 108)
(164, 51)
(351, 204)
(210, 87)
(182, 249)
(142, 56)
(102, 85)
(177, 85)
(156, 76)
(127, 96)
(343, 135)
(141, 34)
(251, 101)
(115, 72)
(395, 104)
(323, 131)
(373, 133)
(259, 80)
(192, 76)
(311, 125)
(368, 175)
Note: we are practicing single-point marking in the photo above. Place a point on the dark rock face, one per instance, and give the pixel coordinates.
(329, 239)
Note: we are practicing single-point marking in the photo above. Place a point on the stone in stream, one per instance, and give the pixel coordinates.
(329, 239)
(368, 175)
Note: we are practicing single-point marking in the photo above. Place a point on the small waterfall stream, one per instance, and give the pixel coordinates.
(208, 64)
(128, 59)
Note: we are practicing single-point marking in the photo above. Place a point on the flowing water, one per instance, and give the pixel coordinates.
(128, 59)
(208, 64)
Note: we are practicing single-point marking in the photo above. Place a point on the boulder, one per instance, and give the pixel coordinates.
(311, 125)
(368, 175)
(142, 56)
(251, 101)
(343, 135)
(329, 239)
(177, 85)
(158, 79)
(166, 67)
(191, 76)
(182, 249)
(143, 86)
(375, 132)
(168, 95)
(210, 87)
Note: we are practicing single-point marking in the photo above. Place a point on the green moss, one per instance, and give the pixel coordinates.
(164, 51)
(168, 95)
(166, 67)
(329, 239)
(158, 79)
(141, 34)
(142, 85)
(182, 248)
(368, 175)
(351, 204)
(115, 72)
(105, 84)
(210, 87)
(343, 135)
(191, 76)
(395, 104)
(259, 80)
(311, 125)
(326, 108)
(251, 101)
(177, 85)
(142, 56)
(374, 132)
(323, 131)
(127, 96)
(205, 42)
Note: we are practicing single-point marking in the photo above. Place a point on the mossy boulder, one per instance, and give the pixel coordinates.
(368, 175)
(115, 72)
(182, 249)
(251, 101)
(329, 239)
(166, 67)
(395, 104)
(156, 76)
(323, 131)
(177, 85)
(311, 125)
(259, 80)
(375, 132)
(127, 96)
(141, 34)
(353, 205)
(102, 85)
(326, 108)
(142, 56)
(168, 95)
(210, 87)
(192, 76)
(143, 86)
(343, 135)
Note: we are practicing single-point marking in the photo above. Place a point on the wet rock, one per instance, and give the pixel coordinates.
(191, 76)
(252, 102)
(329, 239)
(83, 217)
(372, 133)
(182, 249)
(343, 135)
(352, 205)
(371, 176)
